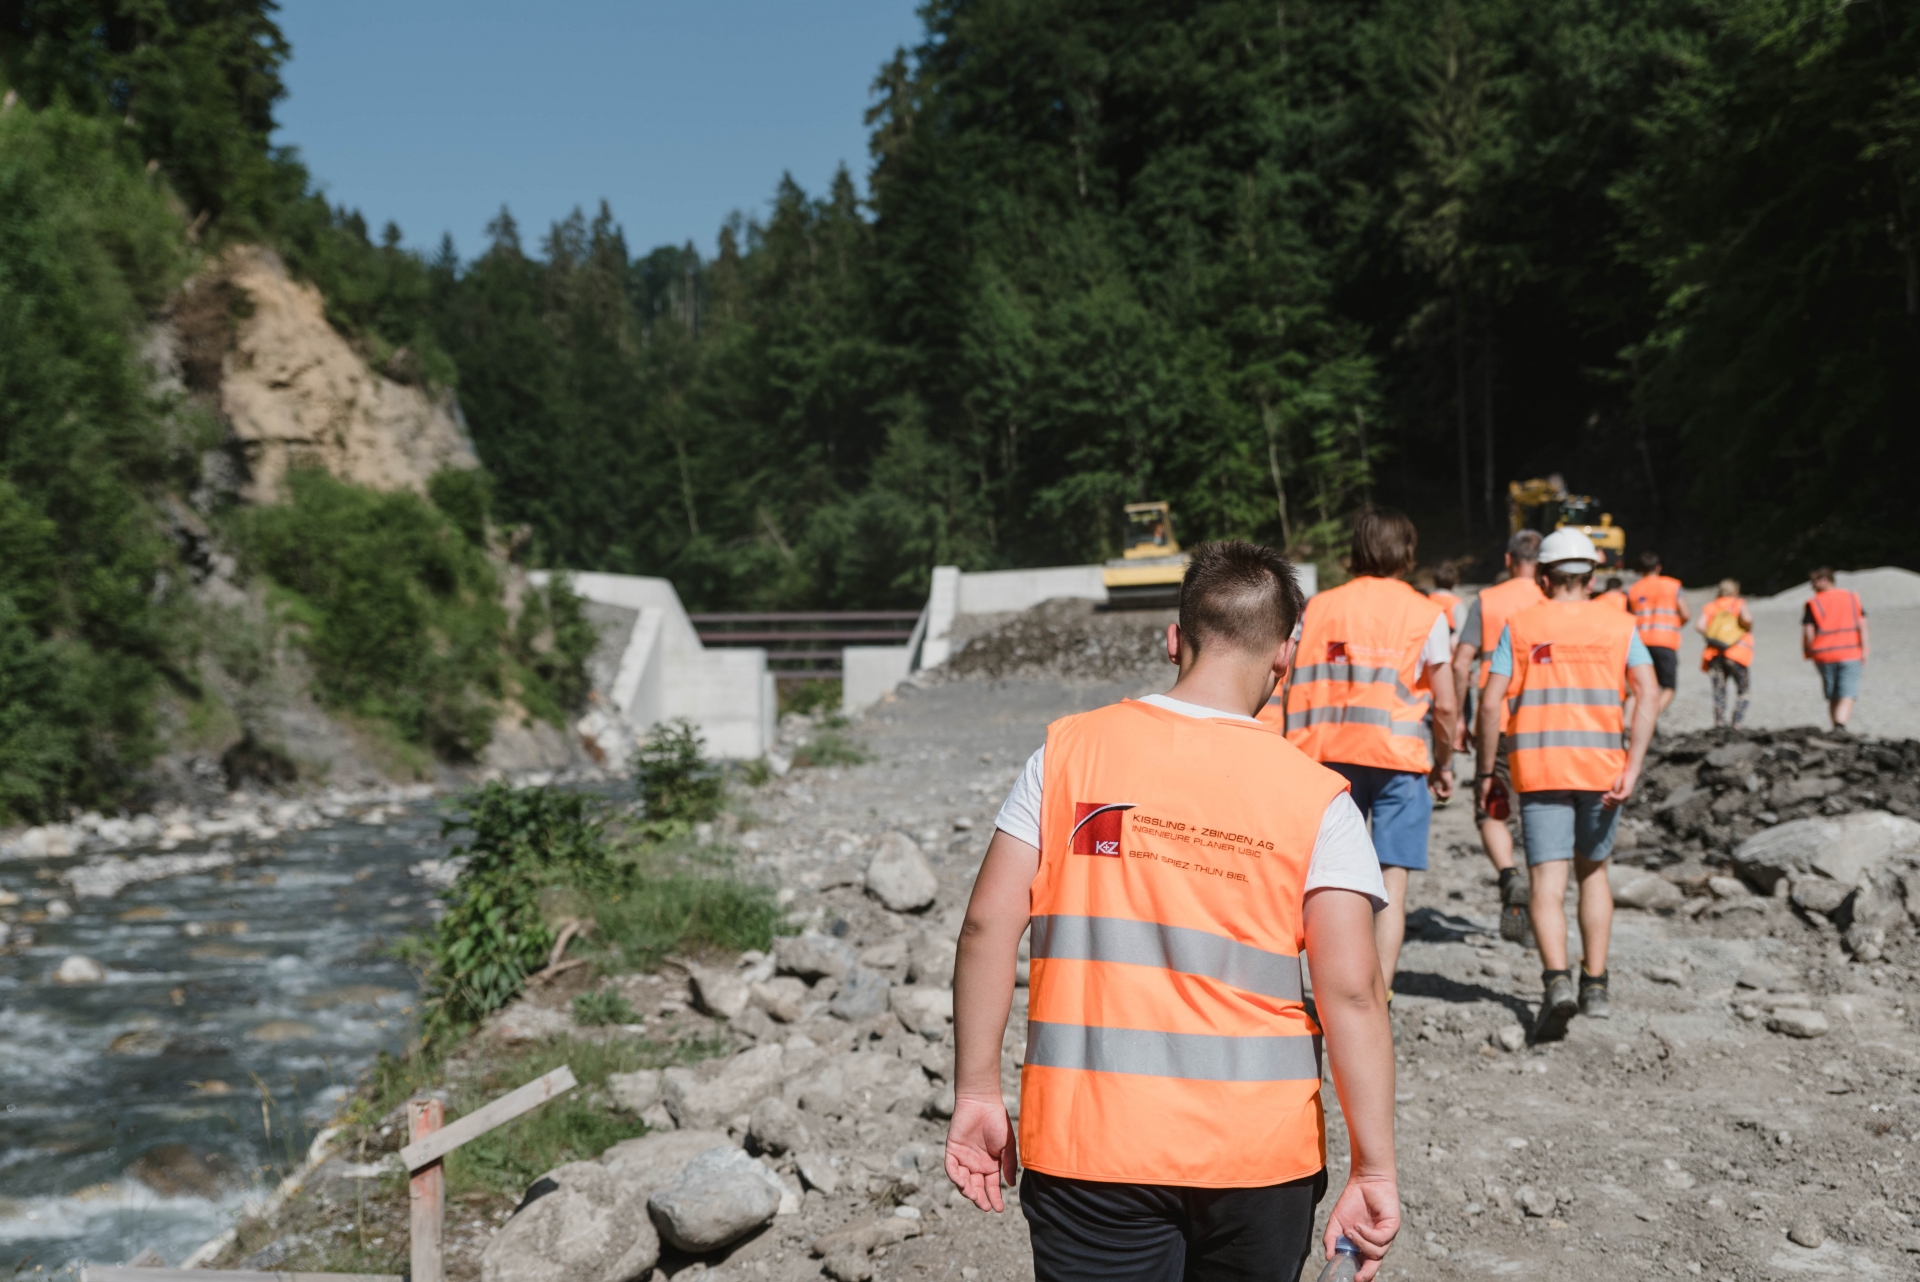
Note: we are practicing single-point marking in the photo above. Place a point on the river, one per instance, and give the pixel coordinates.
(239, 1007)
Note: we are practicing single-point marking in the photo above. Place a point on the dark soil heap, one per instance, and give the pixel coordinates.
(1066, 639)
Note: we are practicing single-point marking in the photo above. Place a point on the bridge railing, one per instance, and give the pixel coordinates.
(806, 645)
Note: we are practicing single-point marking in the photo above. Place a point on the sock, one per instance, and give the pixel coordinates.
(1592, 981)
(1548, 976)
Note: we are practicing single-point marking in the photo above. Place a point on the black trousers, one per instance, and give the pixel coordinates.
(1087, 1230)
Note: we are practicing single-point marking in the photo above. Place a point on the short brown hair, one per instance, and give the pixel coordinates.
(1559, 578)
(1524, 546)
(1242, 594)
(1820, 572)
(1383, 542)
(1445, 575)
(1649, 562)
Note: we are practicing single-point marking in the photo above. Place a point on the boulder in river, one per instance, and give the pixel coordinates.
(78, 969)
(177, 1170)
(579, 1223)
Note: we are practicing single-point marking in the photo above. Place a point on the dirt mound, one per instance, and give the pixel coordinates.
(1065, 639)
(1713, 789)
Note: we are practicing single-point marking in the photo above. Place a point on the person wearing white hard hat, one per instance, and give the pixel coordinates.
(1563, 668)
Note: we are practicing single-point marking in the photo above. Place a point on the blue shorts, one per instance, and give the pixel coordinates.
(1401, 808)
(1561, 824)
(1840, 680)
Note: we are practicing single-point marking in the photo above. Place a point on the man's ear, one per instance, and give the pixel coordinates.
(1173, 644)
(1283, 657)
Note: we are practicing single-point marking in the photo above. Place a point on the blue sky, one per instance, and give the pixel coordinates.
(434, 113)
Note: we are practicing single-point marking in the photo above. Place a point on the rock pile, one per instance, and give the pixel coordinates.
(1065, 639)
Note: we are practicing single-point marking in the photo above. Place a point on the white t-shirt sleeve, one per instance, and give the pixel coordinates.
(1439, 648)
(1343, 857)
(1019, 814)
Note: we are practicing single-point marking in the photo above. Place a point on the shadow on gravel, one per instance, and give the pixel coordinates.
(1416, 983)
(1436, 927)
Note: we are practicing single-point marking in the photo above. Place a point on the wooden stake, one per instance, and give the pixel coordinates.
(429, 1194)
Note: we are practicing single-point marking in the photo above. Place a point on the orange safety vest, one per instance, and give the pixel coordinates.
(1359, 693)
(1167, 1037)
(1836, 626)
(1656, 604)
(1741, 651)
(1498, 604)
(1447, 601)
(1563, 705)
(1618, 599)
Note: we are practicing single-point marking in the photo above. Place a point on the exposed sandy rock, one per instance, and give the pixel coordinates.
(297, 394)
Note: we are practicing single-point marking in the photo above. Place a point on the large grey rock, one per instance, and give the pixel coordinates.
(812, 955)
(930, 960)
(656, 1160)
(1729, 755)
(783, 996)
(1843, 849)
(741, 1081)
(860, 1081)
(862, 995)
(1806, 788)
(1796, 1022)
(926, 1011)
(1649, 892)
(720, 1197)
(716, 991)
(776, 1126)
(590, 1226)
(899, 876)
(635, 1092)
(79, 970)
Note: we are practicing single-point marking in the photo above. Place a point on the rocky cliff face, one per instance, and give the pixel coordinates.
(295, 393)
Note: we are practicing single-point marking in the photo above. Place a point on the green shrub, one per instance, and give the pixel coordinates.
(603, 1006)
(830, 748)
(809, 696)
(552, 641)
(401, 615)
(678, 785)
(662, 911)
(465, 495)
(493, 934)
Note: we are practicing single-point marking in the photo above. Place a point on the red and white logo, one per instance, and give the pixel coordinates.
(1337, 652)
(1542, 653)
(1096, 827)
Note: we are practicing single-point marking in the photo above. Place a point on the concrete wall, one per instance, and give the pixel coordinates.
(1006, 591)
(664, 673)
(868, 672)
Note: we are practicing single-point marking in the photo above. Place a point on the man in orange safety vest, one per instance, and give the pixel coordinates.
(1473, 646)
(1175, 860)
(1833, 633)
(1371, 672)
(1660, 612)
(1562, 670)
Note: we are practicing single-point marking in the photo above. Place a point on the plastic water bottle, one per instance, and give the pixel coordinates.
(1344, 1264)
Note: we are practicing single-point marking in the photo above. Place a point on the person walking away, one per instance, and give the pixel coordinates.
(1370, 667)
(1486, 617)
(1833, 633)
(1727, 625)
(1445, 580)
(1615, 594)
(1176, 858)
(1562, 668)
(1661, 612)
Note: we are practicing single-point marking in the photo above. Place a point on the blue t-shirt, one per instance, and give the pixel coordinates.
(1502, 660)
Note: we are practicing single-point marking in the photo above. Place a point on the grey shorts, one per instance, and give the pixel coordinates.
(1561, 824)
(1840, 680)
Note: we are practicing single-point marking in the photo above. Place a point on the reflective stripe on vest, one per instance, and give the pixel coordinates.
(1166, 980)
(1836, 622)
(1656, 607)
(1741, 651)
(1357, 694)
(1564, 703)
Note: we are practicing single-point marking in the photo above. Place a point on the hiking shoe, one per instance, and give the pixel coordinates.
(1557, 1009)
(1516, 923)
(1593, 996)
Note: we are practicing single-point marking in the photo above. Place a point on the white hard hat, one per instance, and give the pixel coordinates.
(1569, 551)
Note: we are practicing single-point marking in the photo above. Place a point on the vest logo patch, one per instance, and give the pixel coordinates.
(1542, 653)
(1336, 652)
(1096, 827)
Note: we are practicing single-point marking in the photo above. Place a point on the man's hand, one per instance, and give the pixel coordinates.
(1482, 790)
(981, 1153)
(1440, 780)
(1622, 788)
(1367, 1215)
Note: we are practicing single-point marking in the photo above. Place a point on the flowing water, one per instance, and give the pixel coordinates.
(240, 1005)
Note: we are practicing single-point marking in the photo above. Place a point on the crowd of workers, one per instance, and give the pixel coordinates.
(1174, 856)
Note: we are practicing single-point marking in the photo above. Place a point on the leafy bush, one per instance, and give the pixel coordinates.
(603, 1006)
(663, 911)
(552, 641)
(465, 495)
(830, 747)
(493, 934)
(678, 785)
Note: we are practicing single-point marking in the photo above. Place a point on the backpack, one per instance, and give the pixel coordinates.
(1724, 629)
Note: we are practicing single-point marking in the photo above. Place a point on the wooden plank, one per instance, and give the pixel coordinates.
(112, 1273)
(482, 1120)
(427, 1194)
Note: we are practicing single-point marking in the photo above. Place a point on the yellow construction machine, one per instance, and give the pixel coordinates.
(1148, 572)
(1543, 504)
